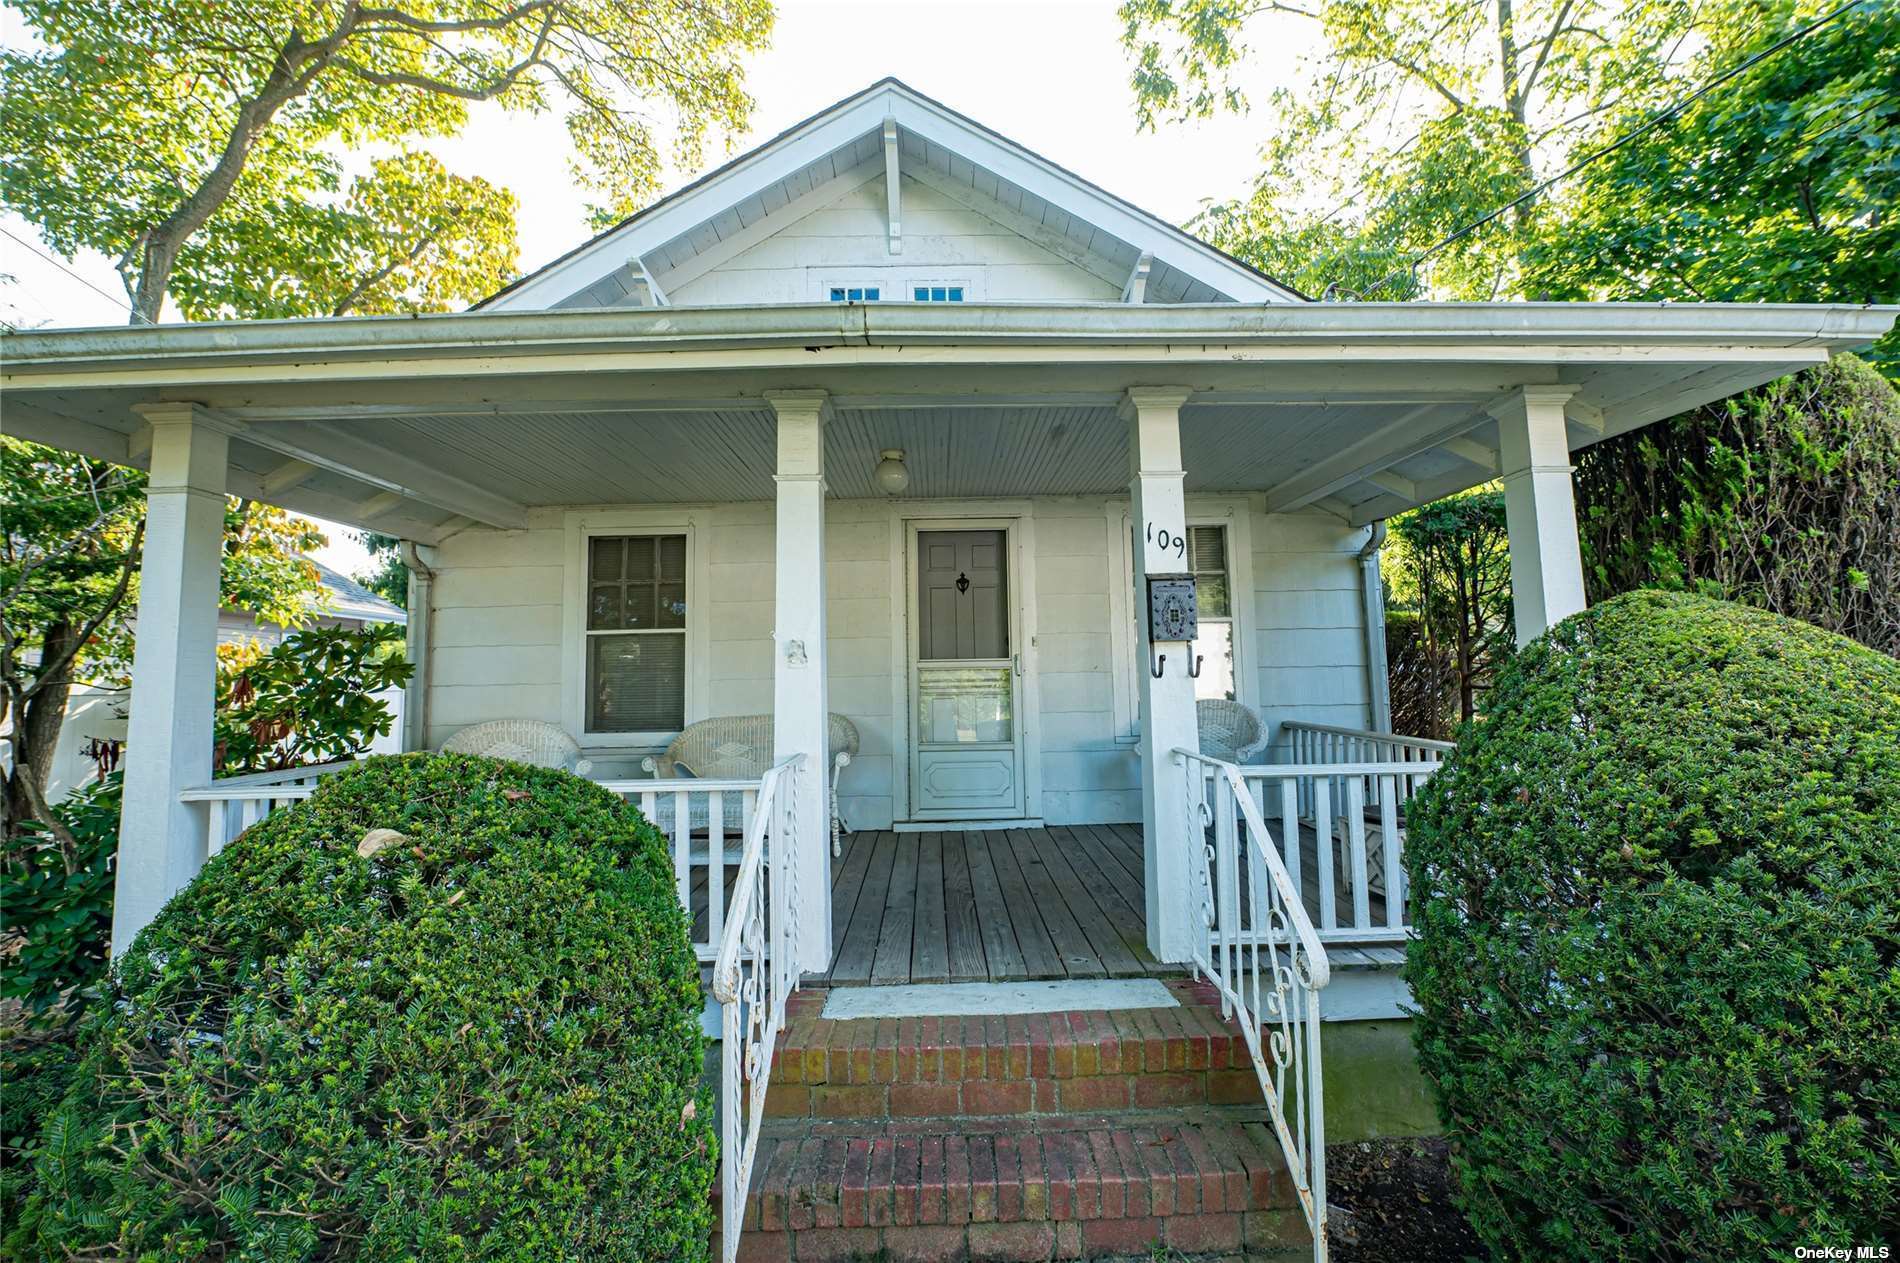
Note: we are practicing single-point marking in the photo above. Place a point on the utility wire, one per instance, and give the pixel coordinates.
(1649, 125)
(137, 315)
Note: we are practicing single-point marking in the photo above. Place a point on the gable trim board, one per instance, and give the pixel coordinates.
(862, 122)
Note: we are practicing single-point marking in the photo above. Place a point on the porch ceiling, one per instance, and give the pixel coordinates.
(416, 427)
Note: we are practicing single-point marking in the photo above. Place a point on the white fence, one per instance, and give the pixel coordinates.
(755, 972)
(1263, 954)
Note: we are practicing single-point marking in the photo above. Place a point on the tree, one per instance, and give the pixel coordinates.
(199, 144)
(1415, 118)
(69, 558)
(388, 576)
(1781, 186)
(1786, 497)
(1452, 569)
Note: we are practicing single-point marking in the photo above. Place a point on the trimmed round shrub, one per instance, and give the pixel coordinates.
(1657, 893)
(478, 1039)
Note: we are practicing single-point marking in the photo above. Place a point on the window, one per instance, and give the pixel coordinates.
(854, 293)
(936, 293)
(635, 633)
(1213, 597)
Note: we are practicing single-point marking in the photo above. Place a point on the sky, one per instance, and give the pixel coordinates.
(1049, 74)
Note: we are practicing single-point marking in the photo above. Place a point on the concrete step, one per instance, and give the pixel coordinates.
(1206, 1181)
(960, 1067)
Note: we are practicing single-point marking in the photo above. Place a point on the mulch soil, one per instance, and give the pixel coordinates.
(1392, 1203)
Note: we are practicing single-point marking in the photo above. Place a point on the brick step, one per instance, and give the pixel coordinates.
(1054, 1063)
(1205, 1181)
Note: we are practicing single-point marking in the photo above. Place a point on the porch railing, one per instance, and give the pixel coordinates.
(707, 823)
(755, 972)
(231, 804)
(1323, 743)
(1255, 942)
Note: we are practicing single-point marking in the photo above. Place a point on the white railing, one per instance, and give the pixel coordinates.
(1255, 942)
(755, 973)
(706, 822)
(1323, 743)
(1340, 831)
(231, 804)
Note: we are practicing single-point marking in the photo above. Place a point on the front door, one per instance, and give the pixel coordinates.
(965, 677)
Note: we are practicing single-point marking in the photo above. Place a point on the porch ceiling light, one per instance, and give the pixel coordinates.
(890, 476)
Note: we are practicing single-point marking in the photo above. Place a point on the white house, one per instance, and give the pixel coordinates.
(893, 419)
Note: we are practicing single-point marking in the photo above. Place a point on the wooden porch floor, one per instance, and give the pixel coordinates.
(1010, 905)
(1062, 902)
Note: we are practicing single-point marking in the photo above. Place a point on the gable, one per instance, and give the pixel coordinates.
(772, 226)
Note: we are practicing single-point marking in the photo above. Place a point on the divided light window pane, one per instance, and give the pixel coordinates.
(636, 633)
(1213, 598)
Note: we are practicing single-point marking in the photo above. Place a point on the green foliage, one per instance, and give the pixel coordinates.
(56, 902)
(389, 575)
(1449, 567)
(72, 541)
(1413, 119)
(1781, 186)
(1786, 497)
(201, 144)
(36, 1071)
(311, 698)
(1657, 961)
(480, 1042)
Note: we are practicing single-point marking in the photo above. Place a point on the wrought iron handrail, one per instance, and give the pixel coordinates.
(1263, 955)
(755, 972)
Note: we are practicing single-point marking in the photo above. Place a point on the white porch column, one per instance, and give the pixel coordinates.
(800, 709)
(174, 666)
(1170, 841)
(1540, 507)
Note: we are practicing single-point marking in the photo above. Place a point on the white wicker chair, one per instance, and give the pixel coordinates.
(1229, 731)
(739, 747)
(524, 741)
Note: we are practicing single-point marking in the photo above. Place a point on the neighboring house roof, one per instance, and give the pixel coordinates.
(350, 599)
(888, 125)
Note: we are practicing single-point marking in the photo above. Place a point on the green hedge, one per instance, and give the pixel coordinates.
(1658, 958)
(479, 1042)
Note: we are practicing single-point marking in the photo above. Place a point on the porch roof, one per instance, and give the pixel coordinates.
(416, 426)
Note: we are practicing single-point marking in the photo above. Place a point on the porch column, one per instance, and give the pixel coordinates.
(174, 666)
(1540, 507)
(1170, 841)
(800, 709)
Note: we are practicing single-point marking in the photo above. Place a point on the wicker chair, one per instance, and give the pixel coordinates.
(1229, 731)
(522, 740)
(739, 747)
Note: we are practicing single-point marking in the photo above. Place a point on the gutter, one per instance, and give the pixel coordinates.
(415, 711)
(1372, 594)
(1484, 328)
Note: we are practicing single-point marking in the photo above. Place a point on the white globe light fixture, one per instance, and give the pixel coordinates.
(890, 475)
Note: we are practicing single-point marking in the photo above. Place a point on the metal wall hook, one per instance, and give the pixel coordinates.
(1194, 672)
(1160, 665)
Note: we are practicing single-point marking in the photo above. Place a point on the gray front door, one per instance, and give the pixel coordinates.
(966, 746)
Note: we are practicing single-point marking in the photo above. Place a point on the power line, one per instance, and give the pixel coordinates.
(1649, 125)
(103, 293)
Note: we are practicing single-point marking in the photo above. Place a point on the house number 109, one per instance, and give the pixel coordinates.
(1166, 540)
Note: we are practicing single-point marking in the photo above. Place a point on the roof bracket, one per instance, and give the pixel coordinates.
(1135, 291)
(891, 196)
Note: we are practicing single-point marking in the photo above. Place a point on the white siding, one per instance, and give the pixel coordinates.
(1309, 618)
(846, 241)
(498, 634)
